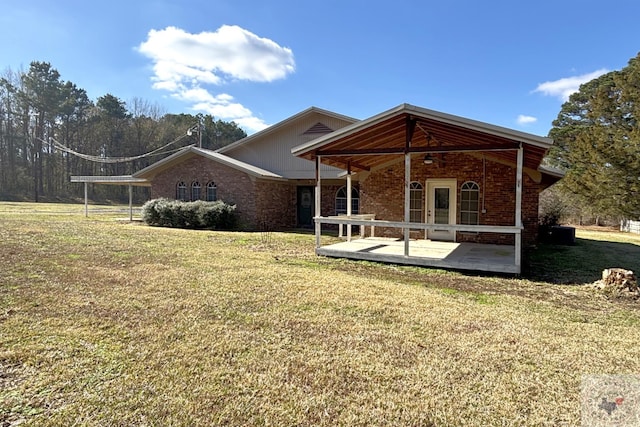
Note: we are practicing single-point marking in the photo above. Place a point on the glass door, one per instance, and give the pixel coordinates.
(441, 208)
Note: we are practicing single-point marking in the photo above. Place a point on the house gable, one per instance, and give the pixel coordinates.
(271, 148)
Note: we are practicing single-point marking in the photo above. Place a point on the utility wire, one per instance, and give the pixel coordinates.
(103, 159)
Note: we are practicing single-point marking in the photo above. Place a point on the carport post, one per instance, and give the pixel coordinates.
(130, 202)
(86, 202)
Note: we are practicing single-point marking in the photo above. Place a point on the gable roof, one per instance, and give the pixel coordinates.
(276, 127)
(188, 152)
(369, 143)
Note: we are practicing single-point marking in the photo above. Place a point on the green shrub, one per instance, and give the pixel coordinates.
(151, 211)
(198, 215)
(220, 215)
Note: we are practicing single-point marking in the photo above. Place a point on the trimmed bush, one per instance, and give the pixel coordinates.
(151, 211)
(198, 215)
(220, 215)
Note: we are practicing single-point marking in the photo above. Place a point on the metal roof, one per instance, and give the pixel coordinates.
(150, 171)
(112, 180)
(370, 143)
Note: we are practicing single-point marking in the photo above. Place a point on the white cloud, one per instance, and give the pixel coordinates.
(185, 63)
(564, 87)
(525, 120)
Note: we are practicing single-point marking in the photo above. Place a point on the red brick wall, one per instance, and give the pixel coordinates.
(329, 196)
(258, 202)
(234, 187)
(275, 204)
(382, 193)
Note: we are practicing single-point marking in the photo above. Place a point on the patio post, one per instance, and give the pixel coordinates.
(317, 204)
(349, 212)
(518, 235)
(407, 200)
(410, 126)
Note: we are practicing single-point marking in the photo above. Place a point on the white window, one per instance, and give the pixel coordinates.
(181, 191)
(416, 204)
(212, 192)
(469, 203)
(341, 201)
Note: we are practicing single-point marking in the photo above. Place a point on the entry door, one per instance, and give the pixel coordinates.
(441, 207)
(305, 206)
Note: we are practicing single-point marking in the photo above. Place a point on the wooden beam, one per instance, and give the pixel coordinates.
(410, 130)
(362, 152)
(465, 148)
(402, 150)
(340, 164)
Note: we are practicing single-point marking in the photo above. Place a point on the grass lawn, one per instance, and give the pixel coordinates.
(106, 322)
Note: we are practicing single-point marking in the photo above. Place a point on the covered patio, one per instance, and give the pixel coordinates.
(421, 252)
(416, 134)
(427, 253)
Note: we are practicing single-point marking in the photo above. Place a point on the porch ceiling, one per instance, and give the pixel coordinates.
(376, 141)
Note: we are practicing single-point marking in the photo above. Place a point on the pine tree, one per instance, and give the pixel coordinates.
(597, 141)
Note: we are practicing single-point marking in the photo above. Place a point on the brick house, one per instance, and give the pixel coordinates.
(471, 167)
(269, 186)
(423, 174)
(412, 174)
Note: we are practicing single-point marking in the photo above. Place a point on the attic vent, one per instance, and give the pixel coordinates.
(318, 129)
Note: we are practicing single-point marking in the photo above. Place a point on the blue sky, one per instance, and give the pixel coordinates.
(506, 63)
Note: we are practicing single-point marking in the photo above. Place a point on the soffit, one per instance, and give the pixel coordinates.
(375, 144)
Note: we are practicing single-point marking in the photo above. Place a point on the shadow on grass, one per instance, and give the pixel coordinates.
(581, 263)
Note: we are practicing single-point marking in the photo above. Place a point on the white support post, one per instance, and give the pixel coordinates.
(407, 200)
(518, 236)
(348, 205)
(86, 200)
(130, 202)
(318, 204)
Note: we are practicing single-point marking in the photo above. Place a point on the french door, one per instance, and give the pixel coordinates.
(441, 208)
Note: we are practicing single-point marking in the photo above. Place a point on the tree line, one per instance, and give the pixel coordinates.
(44, 120)
(596, 141)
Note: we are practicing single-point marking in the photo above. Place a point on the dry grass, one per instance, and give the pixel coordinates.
(105, 322)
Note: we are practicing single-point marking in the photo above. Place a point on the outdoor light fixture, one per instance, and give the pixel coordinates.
(428, 159)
